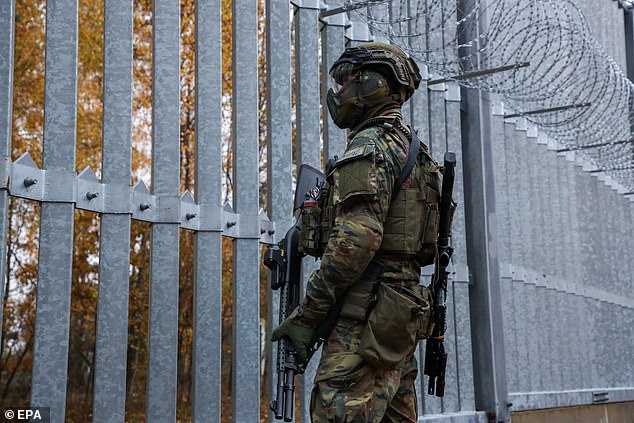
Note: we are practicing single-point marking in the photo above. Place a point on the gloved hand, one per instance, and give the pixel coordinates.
(301, 336)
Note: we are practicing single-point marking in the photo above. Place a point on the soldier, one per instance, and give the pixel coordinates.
(379, 216)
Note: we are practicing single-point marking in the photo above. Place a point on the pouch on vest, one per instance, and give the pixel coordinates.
(393, 325)
(310, 233)
(411, 227)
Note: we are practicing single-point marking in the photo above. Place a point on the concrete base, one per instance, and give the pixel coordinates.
(619, 412)
(464, 417)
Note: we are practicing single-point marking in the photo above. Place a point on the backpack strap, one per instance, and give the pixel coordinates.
(412, 154)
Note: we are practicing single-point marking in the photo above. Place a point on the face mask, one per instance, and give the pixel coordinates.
(345, 112)
(354, 96)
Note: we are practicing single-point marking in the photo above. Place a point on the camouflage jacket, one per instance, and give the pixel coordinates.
(363, 182)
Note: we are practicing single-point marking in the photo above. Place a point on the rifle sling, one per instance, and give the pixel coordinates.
(370, 274)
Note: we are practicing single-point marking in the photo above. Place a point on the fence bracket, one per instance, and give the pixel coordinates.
(25, 179)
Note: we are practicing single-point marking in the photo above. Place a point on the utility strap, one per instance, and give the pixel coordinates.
(414, 148)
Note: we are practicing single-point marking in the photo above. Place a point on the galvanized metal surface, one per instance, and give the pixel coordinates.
(163, 320)
(246, 255)
(463, 383)
(567, 398)
(279, 148)
(50, 356)
(558, 298)
(463, 417)
(7, 23)
(114, 250)
(332, 45)
(307, 85)
(207, 351)
(557, 303)
(308, 132)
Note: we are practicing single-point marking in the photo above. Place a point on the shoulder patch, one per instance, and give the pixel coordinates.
(354, 152)
(359, 147)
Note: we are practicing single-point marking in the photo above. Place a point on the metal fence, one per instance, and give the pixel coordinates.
(541, 317)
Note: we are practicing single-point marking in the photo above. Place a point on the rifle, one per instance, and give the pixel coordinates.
(435, 354)
(285, 263)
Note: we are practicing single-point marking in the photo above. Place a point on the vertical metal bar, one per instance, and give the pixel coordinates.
(568, 225)
(307, 84)
(448, 103)
(50, 360)
(419, 115)
(163, 330)
(514, 165)
(527, 215)
(499, 140)
(549, 262)
(490, 377)
(207, 326)
(7, 30)
(246, 252)
(523, 176)
(533, 332)
(308, 133)
(279, 150)
(208, 245)
(534, 171)
(114, 259)
(463, 341)
(583, 248)
(332, 45)
(542, 341)
(404, 6)
(629, 42)
(431, 404)
(437, 124)
(573, 364)
(481, 228)
(279, 127)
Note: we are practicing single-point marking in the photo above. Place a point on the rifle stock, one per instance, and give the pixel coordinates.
(435, 354)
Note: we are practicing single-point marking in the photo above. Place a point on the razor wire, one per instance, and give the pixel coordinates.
(557, 75)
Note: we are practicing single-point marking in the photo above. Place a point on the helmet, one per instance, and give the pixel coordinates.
(387, 59)
(367, 78)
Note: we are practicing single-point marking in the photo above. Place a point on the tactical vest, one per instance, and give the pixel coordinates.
(411, 226)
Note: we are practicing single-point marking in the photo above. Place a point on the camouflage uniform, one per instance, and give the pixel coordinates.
(346, 388)
(368, 243)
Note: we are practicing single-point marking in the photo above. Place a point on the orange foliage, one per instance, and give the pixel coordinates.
(16, 348)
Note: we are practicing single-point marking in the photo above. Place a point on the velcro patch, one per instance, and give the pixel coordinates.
(356, 152)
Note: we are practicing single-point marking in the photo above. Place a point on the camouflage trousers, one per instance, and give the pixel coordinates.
(348, 390)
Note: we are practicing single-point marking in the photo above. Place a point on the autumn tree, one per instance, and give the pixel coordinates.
(16, 348)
